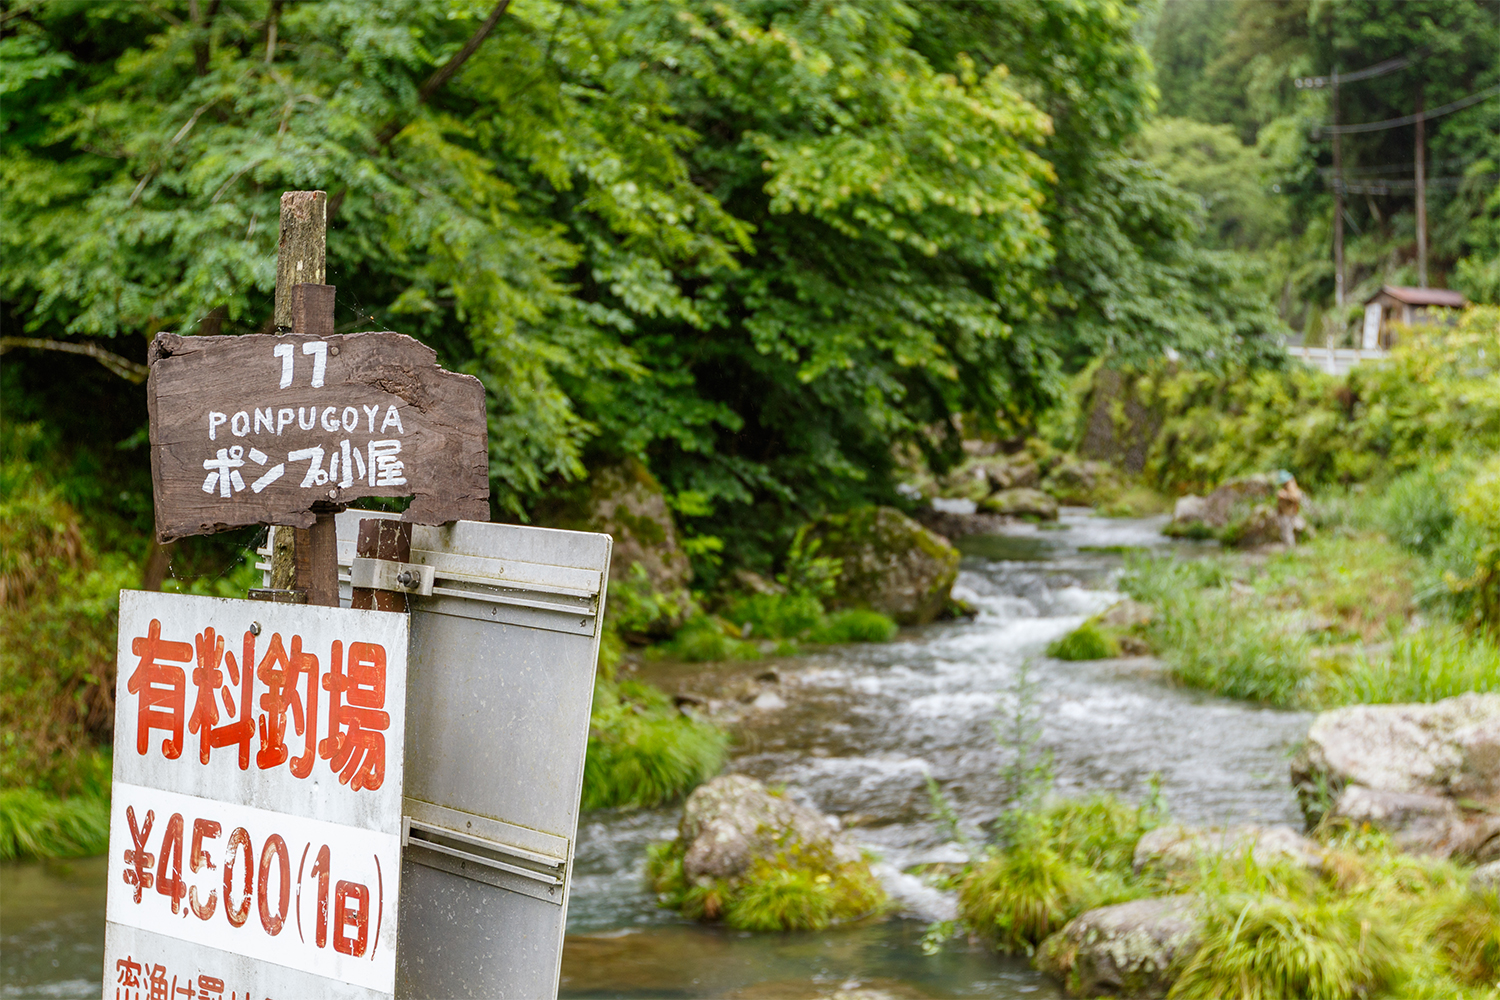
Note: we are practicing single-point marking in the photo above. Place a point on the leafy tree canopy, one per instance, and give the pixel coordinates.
(757, 244)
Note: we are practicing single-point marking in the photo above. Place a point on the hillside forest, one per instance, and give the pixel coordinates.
(780, 261)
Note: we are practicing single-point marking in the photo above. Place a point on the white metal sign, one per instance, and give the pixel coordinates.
(256, 818)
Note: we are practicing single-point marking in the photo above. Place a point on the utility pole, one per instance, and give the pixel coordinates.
(1338, 206)
(1421, 179)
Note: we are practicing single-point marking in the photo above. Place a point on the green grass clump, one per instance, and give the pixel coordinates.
(705, 640)
(1429, 665)
(34, 824)
(1017, 897)
(854, 625)
(1263, 948)
(1069, 856)
(642, 751)
(1087, 642)
(776, 616)
(801, 888)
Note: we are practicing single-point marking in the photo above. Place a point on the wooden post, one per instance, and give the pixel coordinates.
(380, 538)
(301, 253)
(305, 560)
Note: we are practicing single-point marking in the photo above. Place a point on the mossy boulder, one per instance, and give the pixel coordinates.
(888, 563)
(757, 860)
(1021, 502)
(1180, 849)
(1081, 482)
(1125, 950)
(649, 572)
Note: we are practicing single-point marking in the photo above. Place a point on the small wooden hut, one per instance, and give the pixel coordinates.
(1408, 306)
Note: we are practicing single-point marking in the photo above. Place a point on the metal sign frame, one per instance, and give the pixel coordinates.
(505, 631)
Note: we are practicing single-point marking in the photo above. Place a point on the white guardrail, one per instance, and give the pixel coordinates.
(1336, 360)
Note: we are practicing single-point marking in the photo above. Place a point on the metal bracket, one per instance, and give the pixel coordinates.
(277, 596)
(385, 574)
(482, 860)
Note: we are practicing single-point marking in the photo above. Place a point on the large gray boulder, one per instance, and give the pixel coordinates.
(733, 821)
(1177, 848)
(888, 563)
(1125, 950)
(1428, 774)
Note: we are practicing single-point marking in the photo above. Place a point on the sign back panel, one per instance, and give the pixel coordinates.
(257, 429)
(255, 829)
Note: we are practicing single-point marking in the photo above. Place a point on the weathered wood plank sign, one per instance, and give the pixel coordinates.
(260, 429)
(255, 820)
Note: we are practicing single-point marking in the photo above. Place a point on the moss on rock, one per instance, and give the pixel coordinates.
(888, 563)
(757, 861)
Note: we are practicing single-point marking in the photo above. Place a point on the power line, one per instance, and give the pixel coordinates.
(1393, 186)
(1446, 109)
(1379, 69)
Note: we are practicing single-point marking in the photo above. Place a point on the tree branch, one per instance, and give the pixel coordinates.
(121, 366)
(447, 70)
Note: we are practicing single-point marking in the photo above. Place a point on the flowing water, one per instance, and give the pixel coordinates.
(856, 732)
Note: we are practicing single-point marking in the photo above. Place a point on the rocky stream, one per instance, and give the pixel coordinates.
(854, 731)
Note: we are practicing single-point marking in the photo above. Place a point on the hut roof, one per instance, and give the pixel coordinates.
(1421, 296)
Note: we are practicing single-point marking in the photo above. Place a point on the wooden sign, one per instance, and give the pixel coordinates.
(259, 429)
(255, 820)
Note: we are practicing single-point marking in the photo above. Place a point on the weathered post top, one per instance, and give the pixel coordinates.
(301, 251)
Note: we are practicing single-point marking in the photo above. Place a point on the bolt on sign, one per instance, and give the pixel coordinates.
(258, 429)
(255, 824)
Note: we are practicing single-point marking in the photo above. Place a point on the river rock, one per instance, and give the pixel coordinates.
(888, 563)
(1127, 614)
(1214, 512)
(734, 820)
(1021, 502)
(1428, 774)
(1125, 950)
(1079, 481)
(1485, 878)
(1177, 848)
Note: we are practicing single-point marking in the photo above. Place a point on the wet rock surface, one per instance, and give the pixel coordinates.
(1428, 774)
(1215, 510)
(889, 563)
(1125, 950)
(1179, 849)
(734, 820)
(1021, 502)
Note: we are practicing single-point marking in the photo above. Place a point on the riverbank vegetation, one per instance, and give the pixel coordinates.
(799, 888)
(1368, 921)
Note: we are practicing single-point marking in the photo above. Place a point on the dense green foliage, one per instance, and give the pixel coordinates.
(1438, 397)
(755, 244)
(1230, 68)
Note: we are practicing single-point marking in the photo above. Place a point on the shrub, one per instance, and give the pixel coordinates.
(776, 616)
(1417, 512)
(1087, 642)
(642, 751)
(34, 824)
(855, 625)
(704, 639)
(1262, 948)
